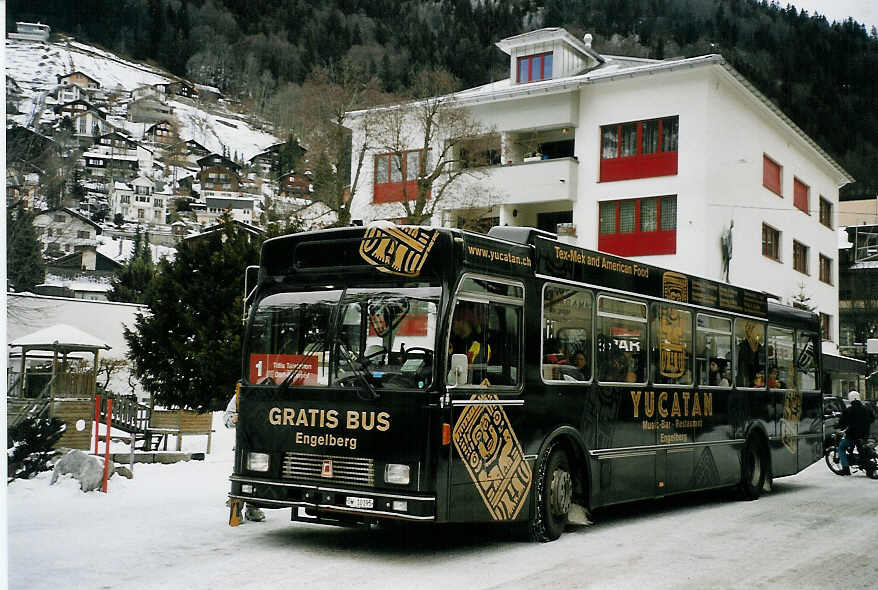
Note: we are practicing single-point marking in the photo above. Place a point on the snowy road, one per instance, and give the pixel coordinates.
(167, 529)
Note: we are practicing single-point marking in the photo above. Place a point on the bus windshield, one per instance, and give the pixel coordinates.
(384, 335)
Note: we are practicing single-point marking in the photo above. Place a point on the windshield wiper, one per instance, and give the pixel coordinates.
(358, 370)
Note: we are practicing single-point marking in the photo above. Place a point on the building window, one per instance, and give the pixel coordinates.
(826, 326)
(639, 149)
(800, 195)
(533, 68)
(825, 212)
(825, 269)
(140, 214)
(158, 203)
(800, 257)
(638, 227)
(59, 218)
(83, 235)
(391, 169)
(770, 242)
(771, 178)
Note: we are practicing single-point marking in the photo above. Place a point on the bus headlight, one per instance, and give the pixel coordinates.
(257, 461)
(396, 473)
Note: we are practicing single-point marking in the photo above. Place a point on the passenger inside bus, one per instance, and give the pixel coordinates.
(750, 352)
(466, 334)
(717, 373)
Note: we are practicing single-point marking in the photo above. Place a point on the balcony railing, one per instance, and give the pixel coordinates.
(538, 181)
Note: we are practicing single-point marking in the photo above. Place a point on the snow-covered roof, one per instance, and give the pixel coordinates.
(65, 336)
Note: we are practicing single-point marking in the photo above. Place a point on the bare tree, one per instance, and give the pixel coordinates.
(328, 97)
(442, 139)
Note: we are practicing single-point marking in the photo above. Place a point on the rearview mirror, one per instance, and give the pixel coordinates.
(457, 375)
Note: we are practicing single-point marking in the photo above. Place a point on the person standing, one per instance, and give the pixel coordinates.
(856, 419)
(230, 419)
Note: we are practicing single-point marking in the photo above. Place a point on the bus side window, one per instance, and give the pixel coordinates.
(806, 361)
(713, 350)
(780, 358)
(671, 350)
(621, 340)
(749, 353)
(567, 333)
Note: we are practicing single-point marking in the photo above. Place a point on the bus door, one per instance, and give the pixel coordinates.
(489, 477)
(628, 414)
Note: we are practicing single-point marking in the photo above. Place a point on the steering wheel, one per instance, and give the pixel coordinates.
(426, 352)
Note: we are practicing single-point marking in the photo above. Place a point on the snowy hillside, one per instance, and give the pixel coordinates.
(35, 68)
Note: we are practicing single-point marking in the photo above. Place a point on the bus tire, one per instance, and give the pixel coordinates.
(754, 469)
(552, 496)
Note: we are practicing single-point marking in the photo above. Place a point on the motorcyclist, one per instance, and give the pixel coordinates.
(856, 418)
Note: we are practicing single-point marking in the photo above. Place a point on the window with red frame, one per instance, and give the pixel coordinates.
(639, 149)
(800, 257)
(800, 195)
(533, 68)
(825, 212)
(770, 242)
(826, 326)
(395, 175)
(771, 175)
(826, 269)
(638, 227)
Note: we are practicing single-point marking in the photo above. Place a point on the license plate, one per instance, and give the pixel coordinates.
(354, 502)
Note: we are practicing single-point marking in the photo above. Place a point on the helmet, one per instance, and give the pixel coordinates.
(853, 395)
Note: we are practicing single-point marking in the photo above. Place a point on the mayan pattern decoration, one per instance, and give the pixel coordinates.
(493, 457)
(397, 250)
(792, 414)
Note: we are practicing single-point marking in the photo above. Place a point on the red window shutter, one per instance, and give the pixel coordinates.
(771, 175)
(800, 195)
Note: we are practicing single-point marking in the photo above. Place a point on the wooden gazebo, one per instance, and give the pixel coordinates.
(63, 393)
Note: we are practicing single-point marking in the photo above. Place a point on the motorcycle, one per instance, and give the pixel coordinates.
(868, 463)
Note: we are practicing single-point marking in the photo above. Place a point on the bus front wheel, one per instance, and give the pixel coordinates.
(552, 496)
(754, 469)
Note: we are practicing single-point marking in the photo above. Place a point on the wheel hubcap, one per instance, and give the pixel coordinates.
(562, 492)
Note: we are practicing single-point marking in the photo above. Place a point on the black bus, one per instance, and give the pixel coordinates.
(436, 375)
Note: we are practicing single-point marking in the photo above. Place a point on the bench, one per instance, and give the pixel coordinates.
(179, 423)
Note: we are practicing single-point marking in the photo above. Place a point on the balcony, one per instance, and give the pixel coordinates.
(538, 181)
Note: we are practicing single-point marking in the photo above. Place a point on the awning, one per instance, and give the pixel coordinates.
(834, 363)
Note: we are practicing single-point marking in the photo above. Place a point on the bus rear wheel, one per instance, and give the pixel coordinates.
(552, 496)
(753, 469)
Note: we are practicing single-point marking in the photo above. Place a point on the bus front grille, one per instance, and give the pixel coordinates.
(352, 470)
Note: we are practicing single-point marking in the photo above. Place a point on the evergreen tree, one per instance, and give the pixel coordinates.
(25, 268)
(187, 350)
(29, 446)
(131, 282)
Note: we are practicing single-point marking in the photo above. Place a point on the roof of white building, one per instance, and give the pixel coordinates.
(615, 68)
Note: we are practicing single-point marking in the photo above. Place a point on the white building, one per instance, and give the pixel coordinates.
(31, 32)
(63, 230)
(239, 207)
(137, 201)
(654, 160)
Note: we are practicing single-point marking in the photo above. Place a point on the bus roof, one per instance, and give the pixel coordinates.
(406, 251)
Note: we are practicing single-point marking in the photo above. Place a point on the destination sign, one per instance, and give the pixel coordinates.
(597, 268)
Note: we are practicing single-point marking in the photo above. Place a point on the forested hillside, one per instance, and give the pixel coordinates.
(823, 75)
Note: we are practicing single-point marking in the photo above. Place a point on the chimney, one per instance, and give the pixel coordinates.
(587, 38)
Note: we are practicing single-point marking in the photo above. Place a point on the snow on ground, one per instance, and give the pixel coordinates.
(167, 529)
